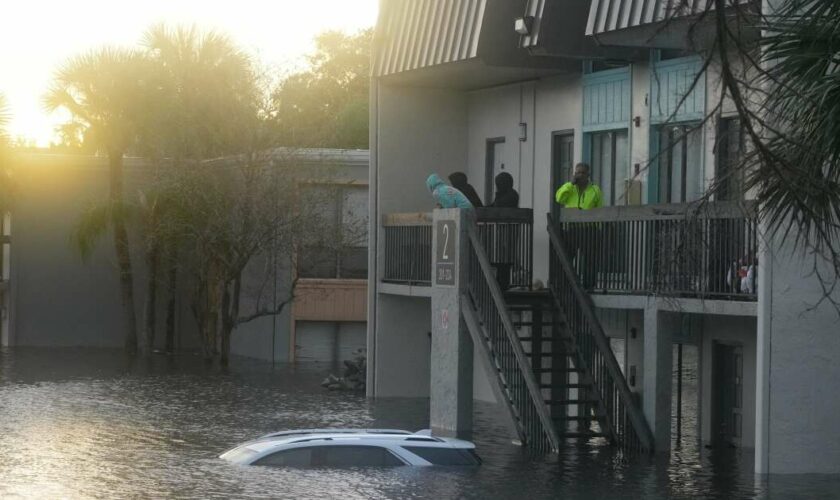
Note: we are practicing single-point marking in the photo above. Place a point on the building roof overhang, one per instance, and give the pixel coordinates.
(468, 44)
(665, 24)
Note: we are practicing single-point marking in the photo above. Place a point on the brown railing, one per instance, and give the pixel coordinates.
(505, 233)
(702, 250)
(408, 249)
(625, 420)
(487, 319)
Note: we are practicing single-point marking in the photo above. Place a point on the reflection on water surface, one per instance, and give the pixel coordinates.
(77, 423)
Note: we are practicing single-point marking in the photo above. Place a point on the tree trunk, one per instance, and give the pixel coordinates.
(224, 358)
(170, 307)
(122, 251)
(227, 327)
(150, 313)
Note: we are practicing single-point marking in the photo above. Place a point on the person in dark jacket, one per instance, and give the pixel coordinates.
(506, 196)
(459, 182)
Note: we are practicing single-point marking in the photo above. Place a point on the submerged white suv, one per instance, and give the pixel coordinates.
(352, 448)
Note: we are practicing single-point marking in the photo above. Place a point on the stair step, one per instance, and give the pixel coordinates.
(570, 402)
(582, 434)
(579, 418)
(559, 370)
(565, 386)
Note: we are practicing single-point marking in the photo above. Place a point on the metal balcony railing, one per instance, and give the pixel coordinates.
(408, 249)
(624, 418)
(505, 233)
(703, 250)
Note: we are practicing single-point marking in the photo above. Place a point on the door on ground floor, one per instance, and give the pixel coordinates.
(727, 393)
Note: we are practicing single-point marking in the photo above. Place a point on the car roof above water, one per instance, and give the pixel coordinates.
(345, 436)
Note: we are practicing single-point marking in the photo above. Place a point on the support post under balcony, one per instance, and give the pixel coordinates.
(451, 391)
(656, 393)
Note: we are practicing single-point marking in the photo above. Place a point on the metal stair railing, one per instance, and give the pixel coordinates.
(625, 419)
(487, 318)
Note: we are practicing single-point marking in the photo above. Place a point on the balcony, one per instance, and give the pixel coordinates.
(679, 250)
(507, 235)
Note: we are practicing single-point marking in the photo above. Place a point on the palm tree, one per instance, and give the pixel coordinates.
(107, 91)
(209, 86)
(208, 91)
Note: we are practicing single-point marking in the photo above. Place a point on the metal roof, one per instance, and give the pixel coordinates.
(413, 34)
(613, 15)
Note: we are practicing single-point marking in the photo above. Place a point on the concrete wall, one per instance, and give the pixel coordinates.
(420, 131)
(558, 109)
(264, 338)
(414, 132)
(497, 113)
(58, 299)
(544, 106)
(403, 346)
(798, 352)
(61, 301)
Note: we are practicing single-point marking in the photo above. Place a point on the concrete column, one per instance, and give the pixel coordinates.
(656, 392)
(451, 389)
(764, 333)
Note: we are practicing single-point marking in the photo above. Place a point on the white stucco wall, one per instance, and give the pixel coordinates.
(420, 131)
(495, 113)
(403, 346)
(558, 109)
(799, 348)
(545, 106)
(60, 300)
(414, 132)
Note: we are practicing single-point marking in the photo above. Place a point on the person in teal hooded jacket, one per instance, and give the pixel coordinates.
(446, 196)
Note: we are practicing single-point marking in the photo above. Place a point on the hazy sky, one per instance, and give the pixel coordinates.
(37, 36)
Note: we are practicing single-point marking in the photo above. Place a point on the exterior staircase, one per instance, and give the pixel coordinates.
(548, 359)
(567, 389)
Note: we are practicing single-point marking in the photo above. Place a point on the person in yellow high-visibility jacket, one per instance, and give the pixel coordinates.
(583, 243)
(580, 192)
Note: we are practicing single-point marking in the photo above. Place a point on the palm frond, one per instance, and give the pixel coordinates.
(94, 224)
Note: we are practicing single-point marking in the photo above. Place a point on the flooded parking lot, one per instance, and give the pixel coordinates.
(82, 423)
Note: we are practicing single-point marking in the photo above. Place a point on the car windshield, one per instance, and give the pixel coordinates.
(445, 456)
(332, 456)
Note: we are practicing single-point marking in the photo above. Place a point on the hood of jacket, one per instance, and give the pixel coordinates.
(433, 182)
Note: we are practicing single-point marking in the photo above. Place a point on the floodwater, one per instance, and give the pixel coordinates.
(81, 423)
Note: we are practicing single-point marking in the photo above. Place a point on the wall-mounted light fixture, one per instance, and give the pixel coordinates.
(637, 121)
(523, 25)
(523, 131)
(632, 377)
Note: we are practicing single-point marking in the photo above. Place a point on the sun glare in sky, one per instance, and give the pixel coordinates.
(36, 37)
